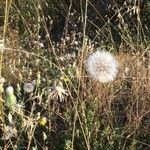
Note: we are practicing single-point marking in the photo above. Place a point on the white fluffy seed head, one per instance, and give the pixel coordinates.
(28, 87)
(102, 66)
(9, 90)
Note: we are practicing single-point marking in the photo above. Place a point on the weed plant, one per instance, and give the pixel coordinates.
(47, 98)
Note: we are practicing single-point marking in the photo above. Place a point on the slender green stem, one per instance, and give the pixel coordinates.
(7, 9)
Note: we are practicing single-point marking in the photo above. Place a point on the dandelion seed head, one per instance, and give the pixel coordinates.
(28, 87)
(102, 66)
(57, 91)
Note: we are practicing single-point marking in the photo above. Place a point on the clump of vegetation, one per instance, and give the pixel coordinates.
(74, 75)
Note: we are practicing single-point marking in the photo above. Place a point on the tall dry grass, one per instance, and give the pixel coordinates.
(67, 109)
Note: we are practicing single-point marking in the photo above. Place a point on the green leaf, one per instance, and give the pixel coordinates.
(11, 101)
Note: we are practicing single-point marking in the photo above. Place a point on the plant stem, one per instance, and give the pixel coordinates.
(7, 9)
